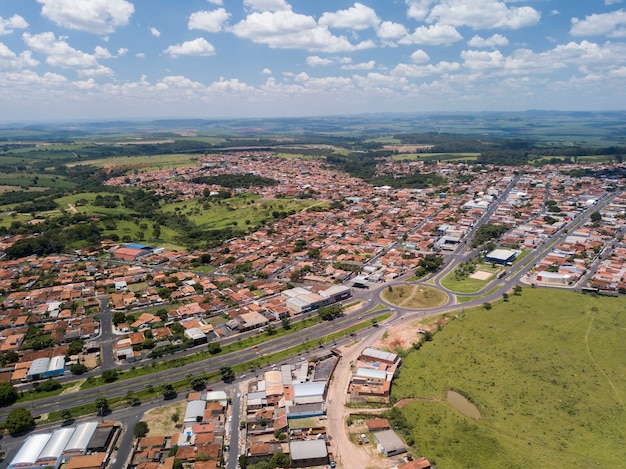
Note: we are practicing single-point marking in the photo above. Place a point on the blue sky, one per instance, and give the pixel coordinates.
(103, 59)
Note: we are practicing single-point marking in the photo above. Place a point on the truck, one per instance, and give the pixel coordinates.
(331, 460)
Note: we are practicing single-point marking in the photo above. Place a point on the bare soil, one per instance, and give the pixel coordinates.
(160, 420)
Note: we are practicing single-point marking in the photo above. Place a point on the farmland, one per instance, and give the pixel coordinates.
(546, 372)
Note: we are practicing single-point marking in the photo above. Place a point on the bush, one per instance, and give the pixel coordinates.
(141, 429)
(19, 420)
(108, 376)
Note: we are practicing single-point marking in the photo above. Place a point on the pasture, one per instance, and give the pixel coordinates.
(545, 369)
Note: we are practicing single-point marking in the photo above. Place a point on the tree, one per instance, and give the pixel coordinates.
(8, 394)
(328, 313)
(102, 405)
(19, 420)
(108, 376)
(141, 429)
(286, 323)
(78, 368)
(168, 391)
(118, 318)
(243, 461)
(227, 373)
(214, 348)
(131, 399)
(67, 416)
(197, 382)
(49, 385)
(487, 305)
(75, 347)
(505, 296)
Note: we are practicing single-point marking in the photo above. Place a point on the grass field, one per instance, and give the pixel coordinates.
(144, 162)
(237, 211)
(414, 296)
(467, 284)
(547, 372)
(435, 157)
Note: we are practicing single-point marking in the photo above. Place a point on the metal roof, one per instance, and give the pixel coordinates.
(55, 446)
(81, 437)
(29, 452)
(309, 389)
(390, 441)
(307, 449)
(369, 373)
(194, 409)
(39, 366)
(57, 363)
(379, 354)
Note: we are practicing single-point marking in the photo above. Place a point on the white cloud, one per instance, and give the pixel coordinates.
(140, 55)
(411, 70)
(612, 2)
(216, 2)
(289, 30)
(94, 16)
(303, 76)
(316, 61)
(496, 40)
(357, 17)
(434, 35)
(418, 9)
(102, 53)
(210, 21)
(11, 24)
(198, 46)
(122, 51)
(266, 71)
(361, 66)
(482, 60)
(9, 60)
(155, 32)
(483, 14)
(267, 5)
(607, 24)
(390, 30)
(419, 56)
(60, 54)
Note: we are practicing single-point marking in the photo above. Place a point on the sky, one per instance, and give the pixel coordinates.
(116, 59)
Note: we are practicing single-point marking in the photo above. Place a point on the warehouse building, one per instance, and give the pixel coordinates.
(26, 457)
(389, 443)
(307, 453)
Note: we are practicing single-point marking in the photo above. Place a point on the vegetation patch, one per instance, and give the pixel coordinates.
(545, 369)
(414, 296)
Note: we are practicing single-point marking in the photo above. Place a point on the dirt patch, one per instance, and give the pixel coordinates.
(402, 336)
(161, 420)
(74, 388)
(481, 275)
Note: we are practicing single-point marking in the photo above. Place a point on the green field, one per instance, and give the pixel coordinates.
(241, 211)
(414, 296)
(547, 372)
(144, 162)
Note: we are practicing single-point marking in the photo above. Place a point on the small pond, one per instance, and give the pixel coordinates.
(460, 403)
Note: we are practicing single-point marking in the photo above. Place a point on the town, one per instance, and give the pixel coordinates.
(124, 305)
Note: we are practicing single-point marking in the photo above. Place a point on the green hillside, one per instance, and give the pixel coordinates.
(547, 370)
